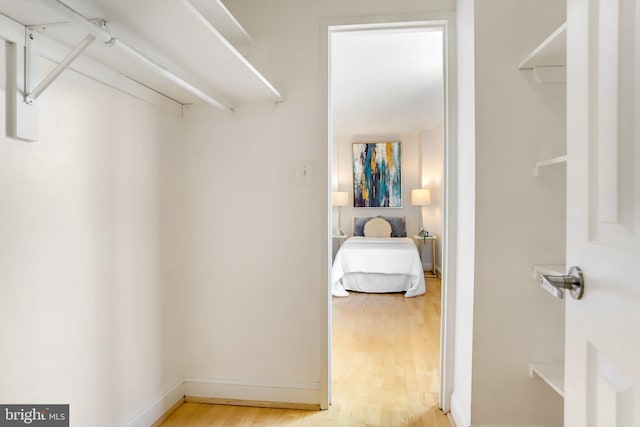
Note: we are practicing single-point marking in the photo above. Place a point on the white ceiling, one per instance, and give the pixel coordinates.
(386, 81)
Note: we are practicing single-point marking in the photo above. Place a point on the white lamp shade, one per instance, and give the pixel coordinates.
(340, 198)
(420, 197)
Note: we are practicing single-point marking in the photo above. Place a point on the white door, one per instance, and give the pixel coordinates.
(602, 354)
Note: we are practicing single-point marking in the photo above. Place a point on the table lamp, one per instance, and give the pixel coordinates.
(421, 197)
(338, 199)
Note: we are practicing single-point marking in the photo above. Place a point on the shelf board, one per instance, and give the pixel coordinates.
(552, 269)
(552, 52)
(551, 373)
(219, 16)
(176, 35)
(548, 162)
(555, 74)
(236, 73)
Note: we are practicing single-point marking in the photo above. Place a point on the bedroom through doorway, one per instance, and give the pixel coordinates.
(387, 91)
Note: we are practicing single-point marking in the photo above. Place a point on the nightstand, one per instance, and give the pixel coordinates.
(420, 240)
(336, 241)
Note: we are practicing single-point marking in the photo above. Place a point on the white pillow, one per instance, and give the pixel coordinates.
(377, 227)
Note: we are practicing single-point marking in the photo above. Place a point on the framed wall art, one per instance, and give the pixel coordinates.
(377, 175)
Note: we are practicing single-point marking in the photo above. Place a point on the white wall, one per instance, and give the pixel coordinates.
(89, 313)
(343, 179)
(256, 255)
(259, 264)
(519, 219)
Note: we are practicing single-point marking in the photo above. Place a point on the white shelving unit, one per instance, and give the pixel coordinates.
(219, 16)
(559, 160)
(551, 373)
(548, 63)
(552, 52)
(194, 40)
(548, 59)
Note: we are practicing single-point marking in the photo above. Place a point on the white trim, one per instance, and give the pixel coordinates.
(449, 225)
(457, 414)
(297, 392)
(446, 20)
(304, 392)
(159, 407)
(325, 299)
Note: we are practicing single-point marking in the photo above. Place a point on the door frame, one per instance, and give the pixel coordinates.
(445, 20)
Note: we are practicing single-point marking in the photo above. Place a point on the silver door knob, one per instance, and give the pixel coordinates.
(572, 282)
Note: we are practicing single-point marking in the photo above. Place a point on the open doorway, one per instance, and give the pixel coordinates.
(387, 83)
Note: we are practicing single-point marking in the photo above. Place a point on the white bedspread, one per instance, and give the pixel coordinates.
(396, 255)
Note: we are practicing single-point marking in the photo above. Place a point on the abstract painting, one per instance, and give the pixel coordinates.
(376, 175)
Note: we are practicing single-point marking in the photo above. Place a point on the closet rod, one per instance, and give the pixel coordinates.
(102, 34)
(169, 75)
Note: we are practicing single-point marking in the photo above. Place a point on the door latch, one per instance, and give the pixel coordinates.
(572, 282)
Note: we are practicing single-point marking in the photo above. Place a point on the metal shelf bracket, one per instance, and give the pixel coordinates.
(32, 89)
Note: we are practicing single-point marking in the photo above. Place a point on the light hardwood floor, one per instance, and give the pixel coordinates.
(385, 370)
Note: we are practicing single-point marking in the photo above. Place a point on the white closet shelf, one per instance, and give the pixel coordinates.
(548, 162)
(552, 269)
(175, 34)
(552, 52)
(551, 373)
(222, 20)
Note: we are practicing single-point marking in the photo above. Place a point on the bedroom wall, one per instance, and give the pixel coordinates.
(431, 177)
(258, 267)
(343, 179)
(89, 313)
(519, 219)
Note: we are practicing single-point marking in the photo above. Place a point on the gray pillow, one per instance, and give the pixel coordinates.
(398, 225)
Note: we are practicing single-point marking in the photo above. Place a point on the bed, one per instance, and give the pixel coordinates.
(378, 259)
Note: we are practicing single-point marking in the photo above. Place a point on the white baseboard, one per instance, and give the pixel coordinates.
(294, 392)
(460, 419)
(159, 407)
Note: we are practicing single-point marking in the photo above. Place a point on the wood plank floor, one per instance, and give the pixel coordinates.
(385, 370)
